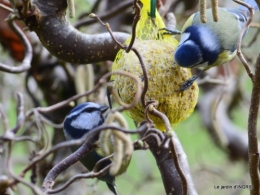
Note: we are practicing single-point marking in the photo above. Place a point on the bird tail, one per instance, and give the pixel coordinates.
(112, 188)
(252, 3)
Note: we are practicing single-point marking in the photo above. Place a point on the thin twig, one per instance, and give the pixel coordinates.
(165, 143)
(91, 174)
(88, 140)
(145, 73)
(140, 145)
(168, 128)
(80, 141)
(125, 106)
(101, 82)
(239, 52)
(6, 8)
(120, 8)
(26, 63)
(155, 136)
(92, 15)
(7, 137)
(45, 138)
(162, 116)
(254, 25)
(136, 19)
(145, 76)
(4, 118)
(178, 167)
(17, 178)
(95, 169)
(50, 123)
(147, 111)
(20, 116)
(156, 131)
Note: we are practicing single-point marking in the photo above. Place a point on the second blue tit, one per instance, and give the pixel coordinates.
(82, 119)
(212, 43)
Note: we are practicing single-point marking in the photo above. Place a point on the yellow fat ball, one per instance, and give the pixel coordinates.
(165, 78)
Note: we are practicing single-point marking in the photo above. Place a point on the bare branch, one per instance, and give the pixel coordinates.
(20, 117)
(252, 132)
(136, 19)
(239, 52)
(6, 8)
(88, 139)
(26, 63)
(100, 83)
(48, 19)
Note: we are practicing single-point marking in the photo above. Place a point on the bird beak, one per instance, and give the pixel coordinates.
(103, 108)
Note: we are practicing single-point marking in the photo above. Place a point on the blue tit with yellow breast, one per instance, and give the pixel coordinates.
(212, 43)
(82, 119)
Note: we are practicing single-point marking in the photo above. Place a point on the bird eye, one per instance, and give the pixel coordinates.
(88, 110)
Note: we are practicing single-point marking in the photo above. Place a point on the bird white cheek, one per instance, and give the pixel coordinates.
(210, 41)
(86, 121)
(184, 37)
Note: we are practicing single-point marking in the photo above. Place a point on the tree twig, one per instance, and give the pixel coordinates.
(252, 132)
(121, 7)
(239, 52)
(26, 63)
(136, 19)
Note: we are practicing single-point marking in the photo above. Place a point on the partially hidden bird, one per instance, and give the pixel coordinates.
(162, 74)
(81, 120)
(212, 43)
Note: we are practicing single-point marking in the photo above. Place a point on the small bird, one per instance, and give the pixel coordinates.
(82, 119)
(212, 43)
(164, 76)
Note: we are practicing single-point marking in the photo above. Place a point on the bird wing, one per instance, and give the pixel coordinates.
(241, 15)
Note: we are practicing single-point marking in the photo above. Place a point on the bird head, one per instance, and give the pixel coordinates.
(198, 47)
(82, 119)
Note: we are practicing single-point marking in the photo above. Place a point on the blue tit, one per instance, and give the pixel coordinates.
(82, 119)
(212, 43)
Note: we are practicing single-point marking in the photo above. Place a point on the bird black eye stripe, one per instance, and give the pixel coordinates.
(213, 42)
(82, 119)
(90, 109)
